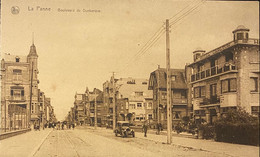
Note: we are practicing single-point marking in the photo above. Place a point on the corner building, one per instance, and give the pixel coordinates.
(225, 78)
(18, 74)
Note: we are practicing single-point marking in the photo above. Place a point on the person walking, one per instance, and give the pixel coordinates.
(145, 127)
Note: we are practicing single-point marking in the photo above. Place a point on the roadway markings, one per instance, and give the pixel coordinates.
(71, 144)
(37, 148)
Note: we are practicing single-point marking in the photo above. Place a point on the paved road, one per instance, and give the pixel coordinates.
(87, 142)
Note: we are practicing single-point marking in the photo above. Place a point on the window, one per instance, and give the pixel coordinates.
(17, 74)
(177, 115)
(149, 105)
(150, 116)
(200, 67)
(203, 91)
(131, 82)
(183, 94)
(213, 63)
(144, 83)
(229, 56)
(240, 36)
(173, 77)
(164, 95)
(17, 59)
(213, 90)
(254, 84)
(17, 92)
(199, 91)
(132, 106)
(228, 85)
(32, 108)
(255, 110)
(139, 105)
(139, 94)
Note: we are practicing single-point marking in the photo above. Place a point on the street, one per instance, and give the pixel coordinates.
(85, 141)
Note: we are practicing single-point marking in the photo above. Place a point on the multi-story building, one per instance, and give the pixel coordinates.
(80, 108)
(96, 98)
(132, 100)
(179, 91)
(15, 92)
(226, 77)
(108, 94)
(22, 103)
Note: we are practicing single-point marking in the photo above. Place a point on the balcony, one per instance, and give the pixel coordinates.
(17, 81)
(213, 71)
(210, 101)
(15, 98)
(179, 101)
(228, 100)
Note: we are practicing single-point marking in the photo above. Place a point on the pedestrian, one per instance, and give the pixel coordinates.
(145, 127)
(158, 129)
(62, 126)
(73, 125)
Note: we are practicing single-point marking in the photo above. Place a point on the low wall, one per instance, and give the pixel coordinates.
(13, 133)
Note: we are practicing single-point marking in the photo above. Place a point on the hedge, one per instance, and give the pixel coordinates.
(243, 133)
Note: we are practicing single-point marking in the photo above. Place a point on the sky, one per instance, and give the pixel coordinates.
(81, 49)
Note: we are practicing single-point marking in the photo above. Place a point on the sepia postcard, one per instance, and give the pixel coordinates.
(88, 78)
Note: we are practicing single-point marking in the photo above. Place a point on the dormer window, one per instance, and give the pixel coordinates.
(17, 59)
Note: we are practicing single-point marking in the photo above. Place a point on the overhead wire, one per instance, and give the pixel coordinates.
(161, 30)
(187, 12)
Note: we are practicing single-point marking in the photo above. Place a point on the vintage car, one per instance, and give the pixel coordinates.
(123, 129)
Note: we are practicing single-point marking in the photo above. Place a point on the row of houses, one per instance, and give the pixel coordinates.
(216, 81)
(19, 89)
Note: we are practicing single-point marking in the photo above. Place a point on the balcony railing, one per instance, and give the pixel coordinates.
(212, 71)
(212, 100)
(15, 98)
(179, 101)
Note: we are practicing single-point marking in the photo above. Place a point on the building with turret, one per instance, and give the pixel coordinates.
(19, 80)
(225, 78)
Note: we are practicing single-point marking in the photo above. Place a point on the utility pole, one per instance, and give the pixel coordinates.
(95, 109)
(29, 118)
(169, 106)
(114, 102)
(158, 97)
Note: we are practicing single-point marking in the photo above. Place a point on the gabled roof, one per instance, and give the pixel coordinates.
(128, 87)
(99, 93)
(160, 76)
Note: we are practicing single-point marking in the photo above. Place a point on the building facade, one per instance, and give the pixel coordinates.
(80, 108)
(132, 100)
(15, 92)
(22, 103)
(95, 98)
(179, 91)
(225, 78)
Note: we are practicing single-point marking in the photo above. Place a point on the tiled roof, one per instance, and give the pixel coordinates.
(128, 86)
(178, 83)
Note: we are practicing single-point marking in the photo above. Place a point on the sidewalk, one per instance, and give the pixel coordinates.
(185, 140)
(235, 150)
(24, 145)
